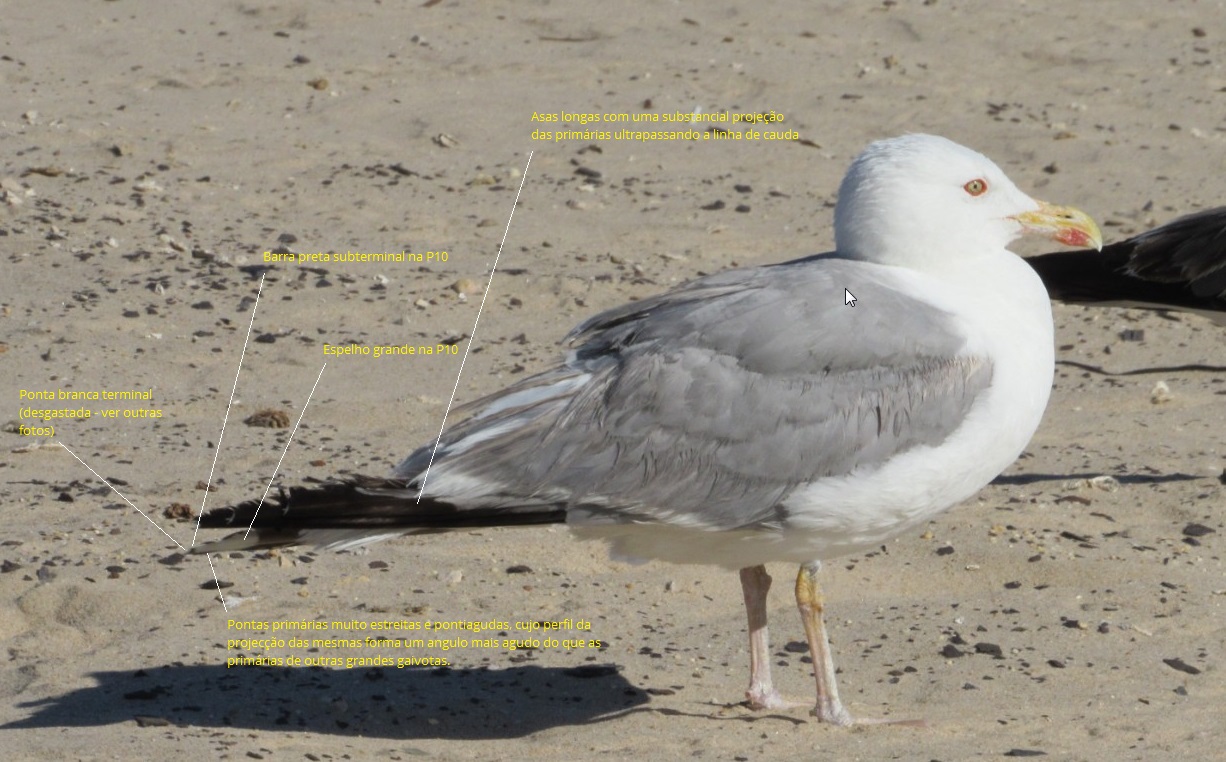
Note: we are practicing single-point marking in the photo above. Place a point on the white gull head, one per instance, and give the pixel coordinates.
(927, 203)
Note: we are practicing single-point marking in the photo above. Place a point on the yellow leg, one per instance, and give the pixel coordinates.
(809, 601)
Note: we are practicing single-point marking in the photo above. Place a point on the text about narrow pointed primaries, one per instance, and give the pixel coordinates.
(396, 643)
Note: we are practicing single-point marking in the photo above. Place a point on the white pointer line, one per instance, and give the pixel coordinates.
(220, 594)
(288, 442)
(472, 337)
(233, 391)
(117, 492)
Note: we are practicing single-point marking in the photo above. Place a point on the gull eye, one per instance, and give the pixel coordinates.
(976, 187)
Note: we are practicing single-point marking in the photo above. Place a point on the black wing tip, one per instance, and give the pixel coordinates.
(1179, 265)
(368, 505)
(315, 497)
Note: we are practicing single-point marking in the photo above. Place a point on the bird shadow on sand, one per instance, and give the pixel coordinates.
(1126, 479)
(459, 704)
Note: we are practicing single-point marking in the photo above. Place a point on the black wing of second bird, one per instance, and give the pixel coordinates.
(1179, 266)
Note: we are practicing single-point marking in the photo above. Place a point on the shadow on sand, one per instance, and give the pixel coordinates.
(462, 704)
(1019, 479)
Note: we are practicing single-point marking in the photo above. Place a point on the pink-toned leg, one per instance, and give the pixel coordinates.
(755, 584)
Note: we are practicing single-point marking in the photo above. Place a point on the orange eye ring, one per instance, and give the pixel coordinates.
(976, 187)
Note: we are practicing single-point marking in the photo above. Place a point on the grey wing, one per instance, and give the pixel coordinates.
(709, 404)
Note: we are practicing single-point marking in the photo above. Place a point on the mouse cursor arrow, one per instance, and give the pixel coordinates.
(849, 298)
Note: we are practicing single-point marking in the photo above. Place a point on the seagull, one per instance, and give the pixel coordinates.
(750, 417)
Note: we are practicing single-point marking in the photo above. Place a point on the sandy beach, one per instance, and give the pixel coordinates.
(155, 152)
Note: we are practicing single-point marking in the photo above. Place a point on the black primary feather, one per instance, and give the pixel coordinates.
(1180, 265)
